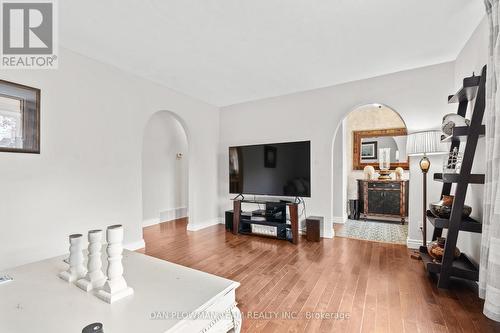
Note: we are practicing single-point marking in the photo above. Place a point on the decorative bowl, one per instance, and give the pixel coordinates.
(436, 249)
(442, 208)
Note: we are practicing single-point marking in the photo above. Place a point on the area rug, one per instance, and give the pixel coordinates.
(385, 232)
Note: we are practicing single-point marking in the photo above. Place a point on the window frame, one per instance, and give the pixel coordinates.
(30, 116)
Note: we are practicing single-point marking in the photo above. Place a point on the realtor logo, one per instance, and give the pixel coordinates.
(28, 34)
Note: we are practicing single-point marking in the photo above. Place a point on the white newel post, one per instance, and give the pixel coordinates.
(76, 268)
(115, 287)
(95, 277)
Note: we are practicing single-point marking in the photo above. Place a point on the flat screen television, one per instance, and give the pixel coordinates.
(277, 169)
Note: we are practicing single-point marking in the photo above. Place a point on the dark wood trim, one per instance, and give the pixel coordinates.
(358, 135)
(294, 219)
(404, 203)
(18, 85)
(236, 216)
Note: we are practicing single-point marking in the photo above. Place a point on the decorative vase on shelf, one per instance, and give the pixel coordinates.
(436, 249)
(399, 173)
(384, 163)
(442, 208)
(369, 172)
(452, 120)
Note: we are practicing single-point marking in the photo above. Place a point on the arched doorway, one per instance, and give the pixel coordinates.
(347, 170)
(165, 162)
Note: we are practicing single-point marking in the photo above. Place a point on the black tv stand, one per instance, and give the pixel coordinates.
(242, 224)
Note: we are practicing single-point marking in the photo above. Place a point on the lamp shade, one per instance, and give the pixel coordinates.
(425, 143)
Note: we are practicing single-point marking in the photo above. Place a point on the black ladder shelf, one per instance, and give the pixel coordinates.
(462, 267)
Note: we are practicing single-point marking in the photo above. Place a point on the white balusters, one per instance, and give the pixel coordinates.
(76, 268)
(110, 288)
(95, 277)
(115, 287)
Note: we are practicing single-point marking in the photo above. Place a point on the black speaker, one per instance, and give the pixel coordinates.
(229, 220)
(354, 209)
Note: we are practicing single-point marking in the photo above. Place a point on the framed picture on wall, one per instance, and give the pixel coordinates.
(19, 118)
(270, 157)
(369, 150)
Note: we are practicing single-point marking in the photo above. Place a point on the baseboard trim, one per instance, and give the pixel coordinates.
(150, 222)
(414, 243)
(173, 214)
(328, 232)
(339, 220)
(205, 224)
(133, 246)
(167, 216)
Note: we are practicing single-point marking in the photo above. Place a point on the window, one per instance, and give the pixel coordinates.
(11, 129)
(19, 118)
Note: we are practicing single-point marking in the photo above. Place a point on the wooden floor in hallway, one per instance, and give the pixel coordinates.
(336, 285)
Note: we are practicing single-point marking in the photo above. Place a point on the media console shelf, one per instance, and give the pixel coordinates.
(243, 224)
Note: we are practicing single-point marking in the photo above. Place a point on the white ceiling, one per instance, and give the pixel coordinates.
(229, 51)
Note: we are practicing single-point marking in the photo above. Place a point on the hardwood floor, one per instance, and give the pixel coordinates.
(375, 286)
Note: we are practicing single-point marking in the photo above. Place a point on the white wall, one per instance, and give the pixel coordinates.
(164, 176)
(88, 174)
(473, 57)
(419, 95)
(338, 196)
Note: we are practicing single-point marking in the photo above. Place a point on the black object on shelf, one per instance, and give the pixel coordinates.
(463, 267)
(229, 218)
(93, 328)
(276, 211)
(354, 209)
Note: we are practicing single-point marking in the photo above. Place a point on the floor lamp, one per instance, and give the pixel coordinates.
(423, 144)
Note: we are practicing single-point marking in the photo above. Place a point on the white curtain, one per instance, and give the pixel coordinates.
(489, 271)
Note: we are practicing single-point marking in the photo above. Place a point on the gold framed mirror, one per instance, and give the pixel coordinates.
(366, 145)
